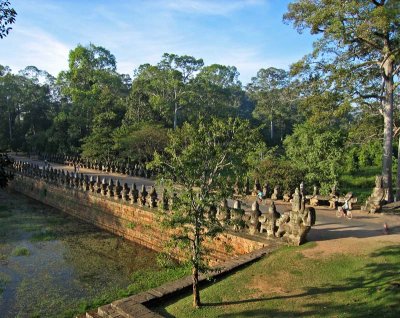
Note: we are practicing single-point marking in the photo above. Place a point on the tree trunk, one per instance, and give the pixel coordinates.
(175, 116)
(272, 130)
(388, 129)
(196, 292)
(9, 127)
(398, 173)
(196, 261)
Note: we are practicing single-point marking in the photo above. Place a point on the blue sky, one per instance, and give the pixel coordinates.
(248, 34)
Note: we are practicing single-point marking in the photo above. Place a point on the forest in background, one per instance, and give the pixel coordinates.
(325, 117)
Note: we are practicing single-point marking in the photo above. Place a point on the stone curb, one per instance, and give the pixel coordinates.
(135, 306)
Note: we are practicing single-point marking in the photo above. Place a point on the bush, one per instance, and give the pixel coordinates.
(20, 251)
(318, 153)
(278, 172)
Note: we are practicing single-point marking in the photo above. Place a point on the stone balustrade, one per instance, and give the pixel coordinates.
(291, 227)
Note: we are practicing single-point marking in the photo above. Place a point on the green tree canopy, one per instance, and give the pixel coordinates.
(200, 158)
(357, 53)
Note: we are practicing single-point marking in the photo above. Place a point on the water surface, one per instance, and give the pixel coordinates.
(70, 263)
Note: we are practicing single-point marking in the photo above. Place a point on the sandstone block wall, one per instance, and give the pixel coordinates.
(135, 223)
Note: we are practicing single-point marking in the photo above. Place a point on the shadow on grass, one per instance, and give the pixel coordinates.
(373, 291)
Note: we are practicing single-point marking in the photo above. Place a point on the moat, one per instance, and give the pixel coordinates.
(53, 265)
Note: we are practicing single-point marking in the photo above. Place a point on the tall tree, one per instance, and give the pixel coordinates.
(216, 91)
(357, 51)
(26, 108)
(178, 72)
(200, 158)
(7, 17)
(91, 86)
(271, 91)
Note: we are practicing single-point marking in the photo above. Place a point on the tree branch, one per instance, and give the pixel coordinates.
(378, 3)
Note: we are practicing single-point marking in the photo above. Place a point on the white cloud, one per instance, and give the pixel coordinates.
(34, 46)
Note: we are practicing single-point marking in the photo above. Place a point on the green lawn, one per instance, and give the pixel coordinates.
(288, 284)
(360, 183)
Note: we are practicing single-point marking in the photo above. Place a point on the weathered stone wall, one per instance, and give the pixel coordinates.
(135, 223)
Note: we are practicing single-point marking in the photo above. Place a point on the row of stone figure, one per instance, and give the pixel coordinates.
(137, 169)
(255, 221)
(83, 182)
(265, 190)
(292, 226)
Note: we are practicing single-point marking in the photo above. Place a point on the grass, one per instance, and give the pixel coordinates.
(44, 235)
(4, 279)
(5, 212)
(360, 182)
(20, 251)
(288, 284)
(141, 281)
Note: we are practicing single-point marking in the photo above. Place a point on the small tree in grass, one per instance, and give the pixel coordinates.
(5, 163)
(202, 160)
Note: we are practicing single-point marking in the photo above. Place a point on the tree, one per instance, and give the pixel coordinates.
(5, 168)
(271, 91)
(7, 17)
(98, 144)
(90, 87)
(200, 158)
(178, 72)
(216, 91)
(26, 108)
(358, 51)
(139, 142)
(318, 152)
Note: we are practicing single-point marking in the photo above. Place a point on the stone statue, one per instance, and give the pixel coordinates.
(237, 214)
(265, 190)
(142, 196)
(86, 183)
(125, 192)
(256, 187)
(275, 195)
(236, 188)
(134, 193)
(118, 190)
(376, 200)
(268, 220)
(286, 196)
(110, 189)
(104, 185)
(301, 188)
(296, 201)
(223, 213)
(254, 224)
(98, 184)
(246, 189)
(152, 199)
(333, 197)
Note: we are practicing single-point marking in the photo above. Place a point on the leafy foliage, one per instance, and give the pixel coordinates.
(279, 172)
(356, 55)
(5, 163)
(139, 142)
(7, 17)
(200, 159)
(318, 153)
